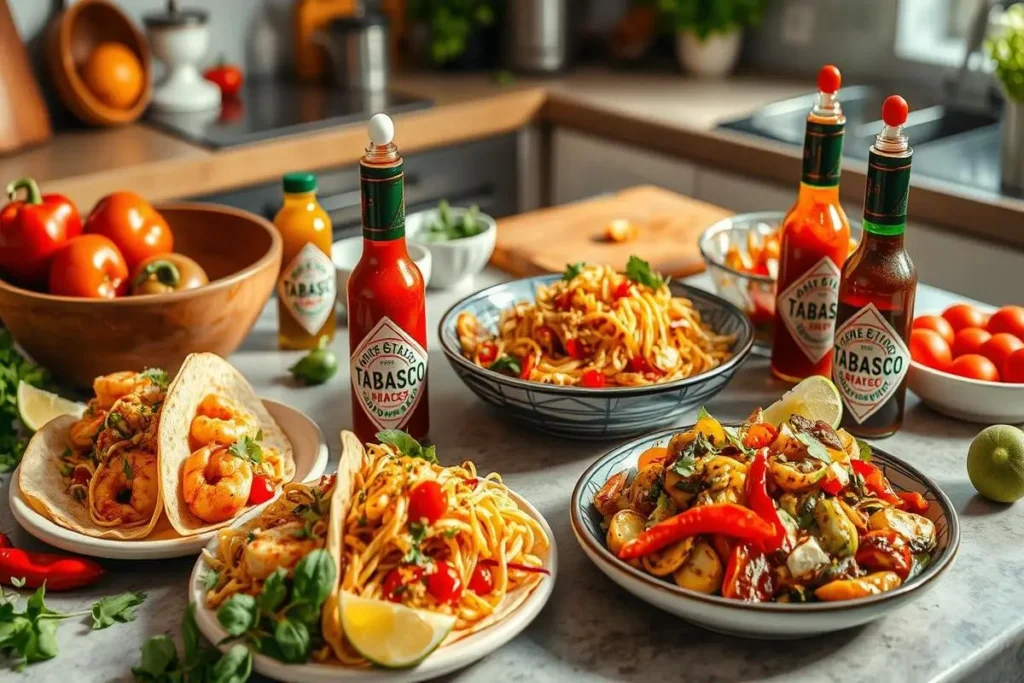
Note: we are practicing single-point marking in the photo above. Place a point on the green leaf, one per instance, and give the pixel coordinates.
(685, 466)
(640, 271)
(36, 604)
(572, 270)
(18, 582)
(210, 580)
(126, 467)
(865, 450)
(292, 639)
(238, 614)
(190, 638)
(234, 666)
(159, 655)
(274, 591)
(509, 363)
(106, 611)
(315, 576)
(815, 448)
(44, 644)
(157, 376)
(247, 448)
(406, 445)
(733, 437)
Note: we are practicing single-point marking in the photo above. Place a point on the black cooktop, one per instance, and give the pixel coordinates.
(268, 109)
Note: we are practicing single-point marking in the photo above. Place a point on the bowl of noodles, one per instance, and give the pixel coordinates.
(595, 354)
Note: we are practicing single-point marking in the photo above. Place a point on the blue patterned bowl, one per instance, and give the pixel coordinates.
(583, 413)
(759, 620)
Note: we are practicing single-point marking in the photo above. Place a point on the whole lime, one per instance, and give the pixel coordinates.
(995, 463)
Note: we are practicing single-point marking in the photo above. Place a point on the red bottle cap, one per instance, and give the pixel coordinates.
(829, 79)
(894, 111)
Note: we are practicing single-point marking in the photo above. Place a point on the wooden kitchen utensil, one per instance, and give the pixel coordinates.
(669, 224)
(24, 119)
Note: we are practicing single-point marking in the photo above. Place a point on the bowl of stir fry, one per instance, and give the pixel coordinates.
(764, 530)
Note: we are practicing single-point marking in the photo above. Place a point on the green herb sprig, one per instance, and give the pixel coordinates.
(14, 368)
(407, 445)
(640, 271)
(446, 226)
(160, 662)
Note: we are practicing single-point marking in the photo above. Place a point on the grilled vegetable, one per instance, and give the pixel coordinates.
(666, 561)
(796, 477)
(837, 534)
(702, 571)
(848, 589)
(644, 491)
(624, 526)
(917, 531)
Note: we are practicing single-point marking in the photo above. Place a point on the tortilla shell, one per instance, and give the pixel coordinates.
(46, 490)
(202, 374)
(352, 455)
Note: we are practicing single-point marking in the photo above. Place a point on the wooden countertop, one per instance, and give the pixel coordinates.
(660, 111)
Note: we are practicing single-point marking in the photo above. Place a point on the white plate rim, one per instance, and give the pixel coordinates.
(53, 534)
(442, 661)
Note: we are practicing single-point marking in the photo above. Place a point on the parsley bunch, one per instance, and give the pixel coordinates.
(14, 368)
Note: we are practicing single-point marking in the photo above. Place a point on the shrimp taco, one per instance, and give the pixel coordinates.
(221, 452)
(99, 475)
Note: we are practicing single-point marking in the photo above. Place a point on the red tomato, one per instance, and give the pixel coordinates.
(427, 501)
(963, 315)
(482, 581)
(593, 379)
(748, 577)
(1009, 319)
(444, 584)
(575, 348)
(937, 323)
(1013, 368)
(974, 366)
(227, 77)
(639, 364)
(928, 347)
(89, 266)
(261, 491)
(969, 340)
(622, 289)
(1000, 347)
(488, 352)
(398, 578)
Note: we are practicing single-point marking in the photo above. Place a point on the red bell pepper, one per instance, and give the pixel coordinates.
(875, 481)
(761, 503)
(58, 572)
(748, 575)
(759, 435)
(721, 518)
(884, 550)
(31, 230)
(912, 501)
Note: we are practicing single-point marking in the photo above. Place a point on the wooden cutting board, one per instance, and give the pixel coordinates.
(545, 241)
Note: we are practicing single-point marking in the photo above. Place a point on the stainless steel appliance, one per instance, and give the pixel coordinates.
(538, 40)
(358, 47)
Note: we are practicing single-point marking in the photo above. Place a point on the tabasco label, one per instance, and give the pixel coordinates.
(870, 362)
(808, 308)
(389, 371)
(308, 286)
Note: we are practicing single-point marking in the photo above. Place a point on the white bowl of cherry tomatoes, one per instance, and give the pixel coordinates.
(968, 363)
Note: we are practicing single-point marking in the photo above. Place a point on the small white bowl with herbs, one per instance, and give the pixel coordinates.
(460, 240)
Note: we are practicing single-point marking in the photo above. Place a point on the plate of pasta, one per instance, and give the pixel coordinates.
(593, 353)
(395, 568)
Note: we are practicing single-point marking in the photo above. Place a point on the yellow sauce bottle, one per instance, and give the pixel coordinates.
(306, 287)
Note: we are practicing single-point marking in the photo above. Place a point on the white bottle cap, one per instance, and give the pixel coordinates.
(382, 130)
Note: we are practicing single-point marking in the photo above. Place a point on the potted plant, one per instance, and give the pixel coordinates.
(1006, 49)
(458, 34)
(709, 33)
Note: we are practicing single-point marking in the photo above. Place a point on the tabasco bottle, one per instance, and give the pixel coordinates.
(387, 319)
(876, 292)
(307, 284)
(815, 242)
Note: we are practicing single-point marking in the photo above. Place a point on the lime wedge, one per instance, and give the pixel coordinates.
(392, 635)
(815, 398)
(37, 407)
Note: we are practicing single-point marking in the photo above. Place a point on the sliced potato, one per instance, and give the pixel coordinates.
(680, 490)
(624, 526)
(916, 530)
(667, 560)
(702, 571)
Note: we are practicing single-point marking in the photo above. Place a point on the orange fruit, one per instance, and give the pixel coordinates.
(114, 74)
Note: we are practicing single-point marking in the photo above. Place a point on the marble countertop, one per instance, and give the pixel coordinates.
(970, 627)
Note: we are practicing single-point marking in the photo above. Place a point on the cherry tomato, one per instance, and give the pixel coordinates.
(928, 348)
(1013, 368)
(974, 366)
(1000, 347)
(639, 364)
(748, 576)
(593, 379)
(443, 583)
(89, 266)
(937, 323)
(622, 290)
(137, 229)
(482, 581)
(227, 77)
(884, 551)
(427, 501)
(963, 315)
(398, 578)
(1009, 319)
(261, 491)
(488, 352)
(564, 301)
(969, 340)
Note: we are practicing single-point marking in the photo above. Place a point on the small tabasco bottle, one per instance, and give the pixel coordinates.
(307, 285)
(815, 242)
(876, 294)
(387, 319)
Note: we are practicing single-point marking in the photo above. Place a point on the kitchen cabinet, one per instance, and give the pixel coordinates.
(482, 172)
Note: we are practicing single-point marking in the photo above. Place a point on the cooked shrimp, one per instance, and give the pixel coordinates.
(216, 484)
(111, 387)
(219, 421)
(467, 328)
(82, 434)
(125, 494)
(282, 546)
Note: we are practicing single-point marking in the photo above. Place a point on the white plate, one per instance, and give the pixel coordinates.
(310, 451)
(442, 661)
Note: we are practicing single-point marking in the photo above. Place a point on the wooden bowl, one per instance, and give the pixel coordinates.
(72, 37)
(79, 339)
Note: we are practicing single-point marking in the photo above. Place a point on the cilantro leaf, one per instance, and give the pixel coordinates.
(572, 270)
(210, 580)
(157, 377)
(640, 271)
(733, 438)
(247, 448)
(815, 448)
(406, 445)
(507, 363)
(106, 611)
(685, 466)
(126, 467)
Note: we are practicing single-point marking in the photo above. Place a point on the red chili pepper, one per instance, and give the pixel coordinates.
(875, 481)
(721, 518)
(488, 352)
(31, 230)
(528, 363)
(227, 77)
(529, 568)
(261, 491)
(593, 379)
(623, 289)
(912, 501)
(759, 435)
(748, 576)
(58, 572)
(761, 503)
